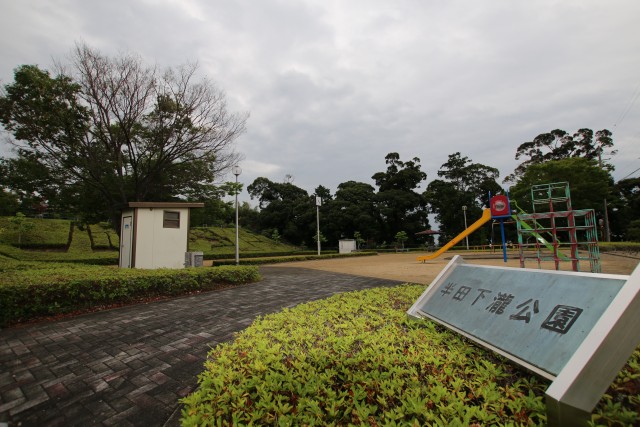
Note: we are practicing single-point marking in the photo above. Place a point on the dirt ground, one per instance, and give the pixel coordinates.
(404, 267)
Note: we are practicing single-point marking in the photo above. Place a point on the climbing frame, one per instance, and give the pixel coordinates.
(558, 233)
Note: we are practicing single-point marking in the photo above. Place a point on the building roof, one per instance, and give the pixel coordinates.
(165, 205)
(427, 232)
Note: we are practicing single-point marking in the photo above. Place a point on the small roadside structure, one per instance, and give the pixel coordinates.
(155, 234)
(346, 246)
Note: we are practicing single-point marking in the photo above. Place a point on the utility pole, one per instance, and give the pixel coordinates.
(464, 211)
(318, 203)
(607, 233)
(237, 171)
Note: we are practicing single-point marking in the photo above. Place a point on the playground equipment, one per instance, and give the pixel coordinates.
(501, 209)
(576, 227)
(486, 216)
(533, 232)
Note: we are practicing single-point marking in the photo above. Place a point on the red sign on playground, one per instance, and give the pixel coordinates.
(499, 206)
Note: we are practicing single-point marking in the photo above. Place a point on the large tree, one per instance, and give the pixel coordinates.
(122, 130)
(463, 183)
(286, 208)
(353, 209)
(40, 189)
(216, 211)
(399, 205)
(8, 203)
(589, 184)
(624, 210)
(26, 177)
(559, 144)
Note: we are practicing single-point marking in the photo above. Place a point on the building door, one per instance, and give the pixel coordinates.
(126, 237)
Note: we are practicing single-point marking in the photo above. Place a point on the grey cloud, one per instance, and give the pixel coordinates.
(332, 87)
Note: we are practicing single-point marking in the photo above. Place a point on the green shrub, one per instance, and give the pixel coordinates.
(355, 359)
(619, 246)
(30, 290)
(289, 258)
(75, 256)
(249, 255)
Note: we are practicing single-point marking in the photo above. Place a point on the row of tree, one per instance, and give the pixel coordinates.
(395, 203)
(104, 131)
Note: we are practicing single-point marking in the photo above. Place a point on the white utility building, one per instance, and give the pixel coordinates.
(155, 234)
(346, 246)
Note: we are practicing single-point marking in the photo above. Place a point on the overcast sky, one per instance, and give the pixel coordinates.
(333, 86)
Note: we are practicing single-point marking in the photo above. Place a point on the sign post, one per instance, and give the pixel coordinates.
(318, 204)
(237, 170)
(576, 329)
(501, 209)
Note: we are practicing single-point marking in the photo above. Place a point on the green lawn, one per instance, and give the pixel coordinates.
(61, 240)
(220, 240)
(104, 237)
(46, 233)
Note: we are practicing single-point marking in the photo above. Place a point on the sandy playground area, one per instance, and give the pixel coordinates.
(404, 266)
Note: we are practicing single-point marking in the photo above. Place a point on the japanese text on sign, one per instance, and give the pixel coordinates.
(537, 317)
(560, 318)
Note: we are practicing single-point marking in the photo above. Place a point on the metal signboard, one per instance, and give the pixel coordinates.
(500, 206)
(539, 319)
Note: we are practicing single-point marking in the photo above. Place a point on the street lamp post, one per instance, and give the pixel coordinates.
(464, 212)
(607, 230)
(318, 204)
(236, 170)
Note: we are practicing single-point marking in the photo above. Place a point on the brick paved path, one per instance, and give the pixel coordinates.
(129, 366)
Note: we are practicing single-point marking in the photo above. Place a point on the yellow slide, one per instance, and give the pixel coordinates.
(486, 216)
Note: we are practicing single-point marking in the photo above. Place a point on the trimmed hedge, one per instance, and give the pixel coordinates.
(31, 290)
(355, 359)
(291, 258)
(249, 255)
(619, 246)
(89, 258)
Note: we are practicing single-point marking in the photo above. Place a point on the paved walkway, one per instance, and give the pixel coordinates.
(130, 366)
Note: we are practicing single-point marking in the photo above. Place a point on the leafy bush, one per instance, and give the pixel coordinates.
(355, 358)
(76, 256)
(619, 246)
(30, 290)
(290, 258)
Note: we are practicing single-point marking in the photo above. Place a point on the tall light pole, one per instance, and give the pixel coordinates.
(318, 203)
(236, 170)
(607, 234)
(607, 230)
(464, 212)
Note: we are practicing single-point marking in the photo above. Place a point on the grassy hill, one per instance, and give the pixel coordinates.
(221, 241)
(45, 233)
(64, 240)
